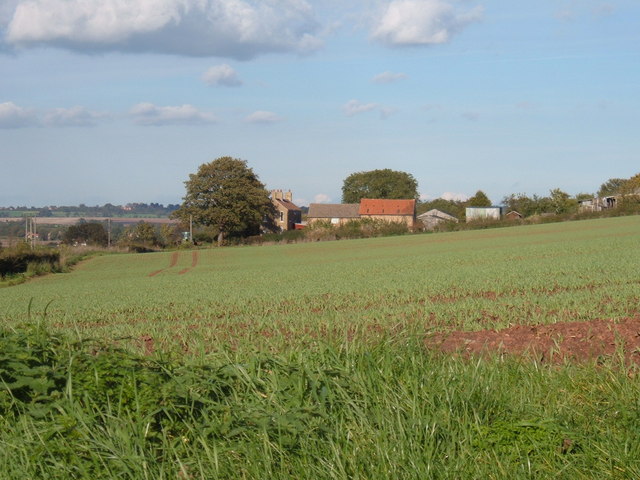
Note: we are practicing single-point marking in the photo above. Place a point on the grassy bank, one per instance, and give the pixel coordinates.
(73, 409)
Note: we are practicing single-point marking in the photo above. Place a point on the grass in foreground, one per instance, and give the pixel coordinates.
(72, 409)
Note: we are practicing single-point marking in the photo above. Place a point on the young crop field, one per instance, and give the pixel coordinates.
(318, 360)
(284, 295)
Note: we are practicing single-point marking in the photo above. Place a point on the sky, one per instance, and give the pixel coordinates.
(118, 101)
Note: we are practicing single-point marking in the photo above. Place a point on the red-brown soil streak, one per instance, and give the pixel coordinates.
(194, 263)
(173, 261)
(559, 342)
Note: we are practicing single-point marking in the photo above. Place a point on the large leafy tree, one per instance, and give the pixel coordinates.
(632, 185)
(613, 186)
(143, 233)
(561, 202)
(480, 199)
(91, 233)
(227, 195)
(385, 183)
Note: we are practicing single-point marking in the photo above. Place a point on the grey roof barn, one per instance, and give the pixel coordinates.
(433, 217)
(333, 212)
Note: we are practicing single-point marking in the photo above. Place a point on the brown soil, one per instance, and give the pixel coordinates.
(578, 341)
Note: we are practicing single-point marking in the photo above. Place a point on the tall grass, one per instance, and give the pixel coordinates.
(82, 410)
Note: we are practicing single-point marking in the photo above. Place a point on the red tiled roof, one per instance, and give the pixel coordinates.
(369, 206)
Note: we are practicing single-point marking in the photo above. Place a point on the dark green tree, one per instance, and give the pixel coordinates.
(226, 194)
(385, 183)
(142, 233)
(90, 233)
(631, 186)
(480, 199)
(561, 202)
(613, 186)
(452, 207)
(521, 203)
(580, 197)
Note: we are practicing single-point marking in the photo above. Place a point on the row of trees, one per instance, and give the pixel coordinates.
(138, 236)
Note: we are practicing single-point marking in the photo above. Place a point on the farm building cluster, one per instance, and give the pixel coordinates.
(289, 215)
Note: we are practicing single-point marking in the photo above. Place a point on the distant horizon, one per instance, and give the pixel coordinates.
(167, 205)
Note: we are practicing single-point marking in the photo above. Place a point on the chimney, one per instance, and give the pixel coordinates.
(276, 194)
(288, 196)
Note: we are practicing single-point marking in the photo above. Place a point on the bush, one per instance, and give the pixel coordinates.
(22, 259)
(357, 228)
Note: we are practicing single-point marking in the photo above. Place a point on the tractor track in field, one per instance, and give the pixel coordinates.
(173, 261)
(194, 263)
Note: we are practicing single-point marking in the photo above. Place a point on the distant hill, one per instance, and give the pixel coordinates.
(138, 210)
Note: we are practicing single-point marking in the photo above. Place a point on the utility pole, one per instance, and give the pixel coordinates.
(108, 233)
(191, 228)
(30, 230)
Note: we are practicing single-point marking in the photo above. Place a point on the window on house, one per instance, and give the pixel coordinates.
(281, 216)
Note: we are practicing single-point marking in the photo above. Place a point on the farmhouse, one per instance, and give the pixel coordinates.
(403, 211)
(336, 214)
(483, 213)
(287, 214)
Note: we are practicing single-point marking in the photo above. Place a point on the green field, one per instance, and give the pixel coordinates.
(273, 296)
(306, 361)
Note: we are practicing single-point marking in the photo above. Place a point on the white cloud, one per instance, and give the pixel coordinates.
(227, 28)
(262, 116)
(222, 75)
(149, 114)
(422, 22)
(72, 117)
(457, 197)
(7, 8)
(13, 116)
(353, 107)
(322, 198)
(388, 77)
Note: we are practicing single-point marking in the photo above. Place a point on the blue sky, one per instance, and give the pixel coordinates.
(120, 100)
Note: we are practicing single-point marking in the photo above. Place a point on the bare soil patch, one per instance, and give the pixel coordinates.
(559, 342)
